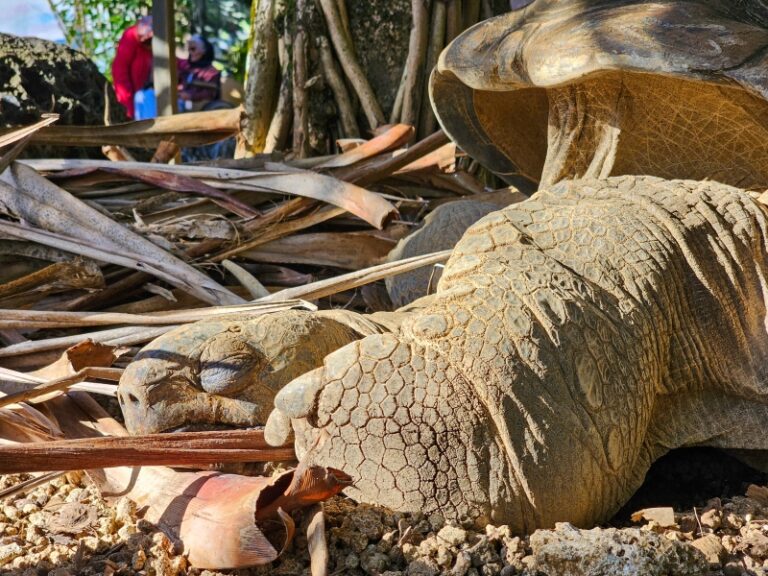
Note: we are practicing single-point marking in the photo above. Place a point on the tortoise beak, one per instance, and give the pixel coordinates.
(153, 397)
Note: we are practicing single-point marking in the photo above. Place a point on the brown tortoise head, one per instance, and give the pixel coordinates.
(593, 88)
(223, 372)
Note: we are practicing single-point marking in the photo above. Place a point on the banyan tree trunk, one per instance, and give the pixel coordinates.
(322, 70)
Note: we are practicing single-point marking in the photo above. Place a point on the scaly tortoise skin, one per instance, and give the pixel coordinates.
(574, 338)
(564, 89)
(442, 228)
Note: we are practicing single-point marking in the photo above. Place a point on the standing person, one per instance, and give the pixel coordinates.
(199, 81)
(132, 67)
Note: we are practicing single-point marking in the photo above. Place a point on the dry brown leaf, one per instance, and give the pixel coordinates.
(49, 389)
(82, 355)
(180, 183)
(394, 137)
(442, 160)
(50, 319)
(324, 249)
(369, 206)
(76, 274)
(190, 129)
(73, 518)
(323, 288)
(318, 547)
(24, 423)
(28, 196)
(378, 167)
(166, 151)
(17, 134)
(201, 227)
(117, 153)
(225, 520)
(222, 520)
(21, 137)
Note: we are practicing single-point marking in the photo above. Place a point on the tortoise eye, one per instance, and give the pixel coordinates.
(229, 363)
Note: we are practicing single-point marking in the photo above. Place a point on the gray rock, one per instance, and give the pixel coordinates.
(373, 561)
(568, 551)
(423, 567)
(38, 76)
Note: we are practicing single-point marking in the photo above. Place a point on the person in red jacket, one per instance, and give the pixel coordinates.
(132, 67)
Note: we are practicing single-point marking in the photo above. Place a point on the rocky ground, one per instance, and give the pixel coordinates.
(64, 528)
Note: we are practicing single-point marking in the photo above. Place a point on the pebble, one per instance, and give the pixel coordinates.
(125, 511)
(9, 552)
(452, 535)
(127, 531)
(428, 546)
(463, 564)
(729, 543)
(423, 567)
(443, 557)
(373, 561)
(139, 559)
(733, 568)
(733, 521)
(711, 519)
(712, 548)
(363, 540)
(436, 521)
(498, 532)
(352, 561)
(38, 519)
(367, 521)
(29, 507)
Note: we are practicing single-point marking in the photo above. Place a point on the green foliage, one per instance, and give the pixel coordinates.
(95, 26)
(226, 24)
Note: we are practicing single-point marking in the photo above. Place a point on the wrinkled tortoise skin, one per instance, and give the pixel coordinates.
(574, 338)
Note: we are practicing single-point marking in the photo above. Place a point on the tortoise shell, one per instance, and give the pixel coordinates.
(567, 89)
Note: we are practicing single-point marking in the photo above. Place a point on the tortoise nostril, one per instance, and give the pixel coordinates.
(128, 398)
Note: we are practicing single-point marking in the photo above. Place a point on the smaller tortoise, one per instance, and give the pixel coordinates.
(564, 89)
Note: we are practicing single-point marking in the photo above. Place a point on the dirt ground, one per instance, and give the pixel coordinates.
(65, 528)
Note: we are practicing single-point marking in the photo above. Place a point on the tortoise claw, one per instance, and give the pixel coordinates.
(278, 430)
(299, 396)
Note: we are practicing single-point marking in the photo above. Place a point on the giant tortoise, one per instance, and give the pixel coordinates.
(575, 337)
